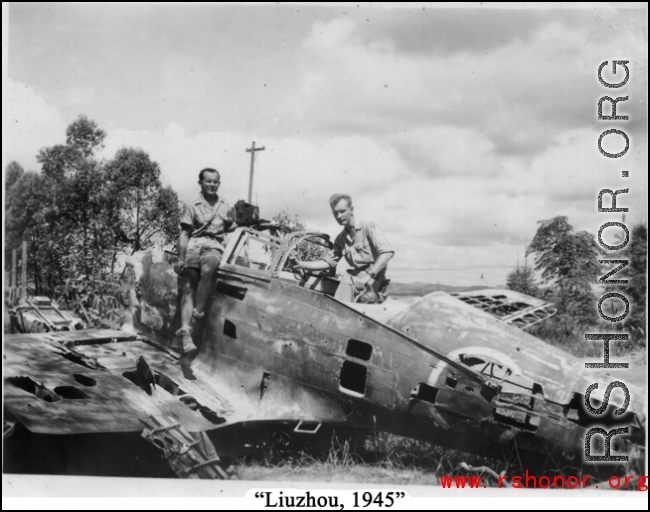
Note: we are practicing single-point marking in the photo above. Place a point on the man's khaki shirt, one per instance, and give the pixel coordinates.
(362, 250)
(198, 211)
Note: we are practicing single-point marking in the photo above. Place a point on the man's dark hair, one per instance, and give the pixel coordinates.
(334, 200)
(208, 169)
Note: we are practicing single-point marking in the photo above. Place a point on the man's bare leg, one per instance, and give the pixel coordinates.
(206, 283)
(190, 279)
(189, 282)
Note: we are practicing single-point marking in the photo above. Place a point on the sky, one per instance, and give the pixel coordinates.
(455, 130)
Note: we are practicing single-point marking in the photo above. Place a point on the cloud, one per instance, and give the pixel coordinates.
(450, 31)
(519, 93)
(454, 130)
(298, 173)
(438, 151)
(81, 96)
(468, 210)
(29, 124)
(570, 175)
(446, 226)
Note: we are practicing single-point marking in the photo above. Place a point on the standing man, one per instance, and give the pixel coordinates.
(364, 248)
(204, 222)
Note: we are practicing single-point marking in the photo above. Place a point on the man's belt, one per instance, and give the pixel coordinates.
(380, 275)
(215, 236)
(366, 267)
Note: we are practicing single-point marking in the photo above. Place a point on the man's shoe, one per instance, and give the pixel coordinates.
(187, 344)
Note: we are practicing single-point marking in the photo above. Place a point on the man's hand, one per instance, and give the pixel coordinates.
(295, 263)
(362, 282)
(179, 266)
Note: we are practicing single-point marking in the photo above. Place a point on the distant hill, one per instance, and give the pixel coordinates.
(422, 289)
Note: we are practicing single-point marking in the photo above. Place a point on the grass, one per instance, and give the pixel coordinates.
(385, 459)
(352, 456)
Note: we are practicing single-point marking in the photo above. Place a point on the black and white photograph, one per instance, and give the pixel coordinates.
(336, 255)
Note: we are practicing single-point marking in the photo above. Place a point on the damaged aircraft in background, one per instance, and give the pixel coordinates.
(278, 351)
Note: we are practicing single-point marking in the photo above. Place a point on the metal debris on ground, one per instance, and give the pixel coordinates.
(190, 455)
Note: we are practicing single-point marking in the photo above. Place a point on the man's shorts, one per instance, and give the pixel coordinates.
(201, 250)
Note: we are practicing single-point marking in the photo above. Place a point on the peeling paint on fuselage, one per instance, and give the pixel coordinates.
(447, 324)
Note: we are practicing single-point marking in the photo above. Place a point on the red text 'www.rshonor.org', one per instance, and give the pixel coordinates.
(529, 481)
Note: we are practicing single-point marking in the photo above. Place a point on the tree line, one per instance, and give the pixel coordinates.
(80, 212)
(570, 271)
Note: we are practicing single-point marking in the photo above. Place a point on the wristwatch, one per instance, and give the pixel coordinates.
(372, 274)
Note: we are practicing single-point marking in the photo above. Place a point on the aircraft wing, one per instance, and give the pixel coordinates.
(511, 307)
(104, 381)
(514, 308)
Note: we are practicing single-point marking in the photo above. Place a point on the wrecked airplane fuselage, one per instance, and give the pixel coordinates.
(277, 347)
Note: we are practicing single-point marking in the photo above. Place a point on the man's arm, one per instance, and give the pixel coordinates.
(329, 260)
(366, 279)
(312, 265)
(183, 240)
(381, 263)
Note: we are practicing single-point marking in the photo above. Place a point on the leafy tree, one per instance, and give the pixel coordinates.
(304, 251)
(291, 222)
(84, 136)
(564, 257)
(72, 212)
(522, 280)
(569, 261)
(59, 161)
(635, 290)
(83, 139)
(569, 264)
(168, 208)
(24, 221)
(139, 207)
(13, 172)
